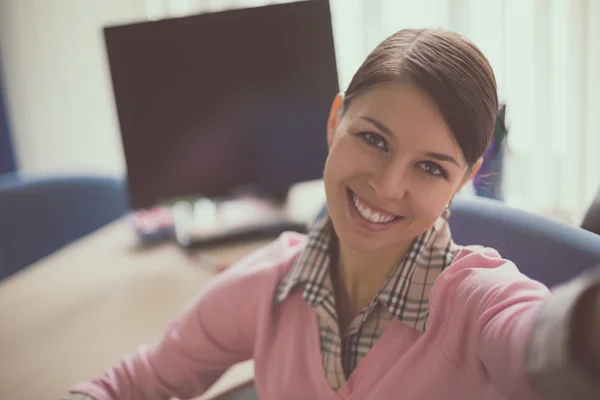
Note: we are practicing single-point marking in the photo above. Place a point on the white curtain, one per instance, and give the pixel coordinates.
(546, 54)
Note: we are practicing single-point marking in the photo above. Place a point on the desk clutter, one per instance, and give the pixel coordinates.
(194, 223)
(153, 225)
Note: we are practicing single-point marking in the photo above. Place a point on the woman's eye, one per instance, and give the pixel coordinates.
(374, 140)
(433, 169)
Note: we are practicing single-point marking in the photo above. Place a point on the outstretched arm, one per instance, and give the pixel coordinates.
(215, 332)
(563, 357)
(513, 334)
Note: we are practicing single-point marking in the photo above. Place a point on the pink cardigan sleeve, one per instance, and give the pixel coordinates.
(488, 308)
(215, 332)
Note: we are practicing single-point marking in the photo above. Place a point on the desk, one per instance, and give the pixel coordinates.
(71, 315)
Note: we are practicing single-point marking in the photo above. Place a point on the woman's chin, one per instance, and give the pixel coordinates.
(364, 243)
(366, 248)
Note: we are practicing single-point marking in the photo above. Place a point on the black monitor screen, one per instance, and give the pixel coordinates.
(213, 102)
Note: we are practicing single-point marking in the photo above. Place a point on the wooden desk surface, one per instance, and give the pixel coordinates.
(70, 316)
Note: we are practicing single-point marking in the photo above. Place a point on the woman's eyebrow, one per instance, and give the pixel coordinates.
(378, 125)
(443, 157)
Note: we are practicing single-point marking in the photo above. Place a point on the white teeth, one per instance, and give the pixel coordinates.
(367, 213)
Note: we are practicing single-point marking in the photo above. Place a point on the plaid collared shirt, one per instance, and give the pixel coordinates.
(404, 295)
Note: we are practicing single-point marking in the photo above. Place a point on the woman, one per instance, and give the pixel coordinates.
(378, 302)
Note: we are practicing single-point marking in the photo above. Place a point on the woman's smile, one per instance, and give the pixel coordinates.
(368, 217)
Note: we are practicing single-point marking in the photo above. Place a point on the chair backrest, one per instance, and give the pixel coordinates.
(41, 215)
(543, 249)
(591, 221)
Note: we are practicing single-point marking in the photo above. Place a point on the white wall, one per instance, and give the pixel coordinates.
(59, 96)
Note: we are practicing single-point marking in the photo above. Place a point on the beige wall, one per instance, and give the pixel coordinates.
(59, 95)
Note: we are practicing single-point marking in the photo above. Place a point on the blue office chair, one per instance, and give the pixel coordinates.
(591, 220)
(543, 249)
(40, 215)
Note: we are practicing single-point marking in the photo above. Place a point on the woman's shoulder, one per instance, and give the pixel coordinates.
(266, 265)
(479, 279)
(478, 256)
(244, 290)
(479, 269)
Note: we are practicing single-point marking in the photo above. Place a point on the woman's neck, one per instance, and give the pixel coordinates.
(358, 276)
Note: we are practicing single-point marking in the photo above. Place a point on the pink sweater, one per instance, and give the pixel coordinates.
(482, 310)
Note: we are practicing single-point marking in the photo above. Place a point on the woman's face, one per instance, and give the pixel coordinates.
(392, 168)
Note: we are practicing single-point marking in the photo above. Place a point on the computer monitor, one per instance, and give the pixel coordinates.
(211, 103)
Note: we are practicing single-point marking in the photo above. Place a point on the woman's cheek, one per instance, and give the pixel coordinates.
(428, 201)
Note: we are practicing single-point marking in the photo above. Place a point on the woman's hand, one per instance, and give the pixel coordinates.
(586, 331)
(563, 358)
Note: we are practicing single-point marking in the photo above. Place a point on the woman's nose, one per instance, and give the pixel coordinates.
(391, 183)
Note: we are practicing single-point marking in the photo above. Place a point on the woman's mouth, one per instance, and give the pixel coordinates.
(370, 214)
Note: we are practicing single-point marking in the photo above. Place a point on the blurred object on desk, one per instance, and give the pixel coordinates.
(154, 225)
(209, 222)
(305, 200)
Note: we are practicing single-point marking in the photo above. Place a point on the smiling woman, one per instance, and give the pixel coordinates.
(378, 300)
(403, 140)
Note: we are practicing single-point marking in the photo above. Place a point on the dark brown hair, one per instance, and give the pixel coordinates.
(453, 72)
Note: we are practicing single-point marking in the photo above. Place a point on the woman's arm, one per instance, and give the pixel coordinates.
(215, 332)
(505, 329)
(196, 349)
(563, 357)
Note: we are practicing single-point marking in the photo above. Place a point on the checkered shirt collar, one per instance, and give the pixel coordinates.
(405, 292)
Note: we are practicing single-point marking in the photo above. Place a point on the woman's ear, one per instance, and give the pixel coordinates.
(474, 169)
(335, 115)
